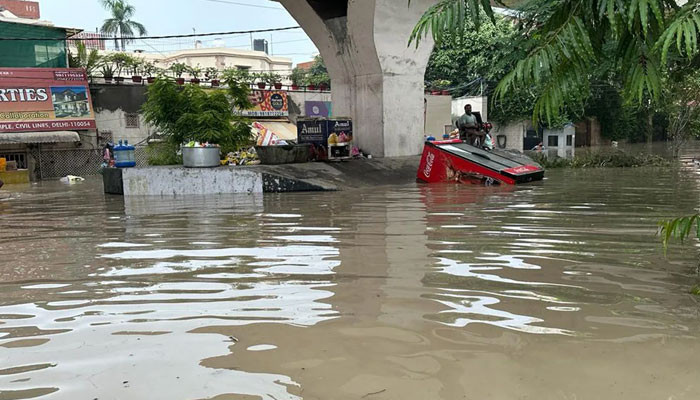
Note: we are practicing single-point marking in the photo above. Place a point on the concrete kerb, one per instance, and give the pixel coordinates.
(307, 177)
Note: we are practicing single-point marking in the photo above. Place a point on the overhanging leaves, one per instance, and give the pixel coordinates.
(679, 228)
(683, 32)
(449, 17)
(573, 33)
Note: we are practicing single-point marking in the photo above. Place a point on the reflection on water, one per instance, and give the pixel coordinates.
(102, 298)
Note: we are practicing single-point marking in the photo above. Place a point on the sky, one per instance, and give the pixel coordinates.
(167, 17)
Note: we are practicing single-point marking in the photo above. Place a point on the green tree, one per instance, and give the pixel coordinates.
(567, 39)
(477, 57)
(120, 24)
(298, 76)
(474, 60)
(682, 104)
(88, 60)
(318, 73)
(188, 113)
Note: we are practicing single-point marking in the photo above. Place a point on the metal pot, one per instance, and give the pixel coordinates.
(201, 157)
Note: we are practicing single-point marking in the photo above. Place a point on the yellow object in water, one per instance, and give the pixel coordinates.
(14, 177)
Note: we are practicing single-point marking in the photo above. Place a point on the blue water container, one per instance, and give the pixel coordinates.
(124, 155)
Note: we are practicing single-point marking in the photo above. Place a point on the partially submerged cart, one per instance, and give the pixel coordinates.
(456, 161)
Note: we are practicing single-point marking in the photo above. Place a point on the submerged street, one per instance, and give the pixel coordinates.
(554, 290)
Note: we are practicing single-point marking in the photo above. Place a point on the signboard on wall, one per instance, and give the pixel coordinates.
(44, 99)
(318, 109)
(267, 103)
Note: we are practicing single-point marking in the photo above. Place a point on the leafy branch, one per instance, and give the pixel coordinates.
(574, 34)
(679, 228)
(560, 63)
(683, 31)
(449, 17)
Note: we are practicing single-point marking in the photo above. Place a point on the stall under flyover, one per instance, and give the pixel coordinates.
(277, 129)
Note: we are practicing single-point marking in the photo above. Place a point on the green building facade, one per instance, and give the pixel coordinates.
(32, 53)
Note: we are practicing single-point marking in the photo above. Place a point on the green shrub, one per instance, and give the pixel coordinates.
(601, 159)
(190, 113)
(164, 153)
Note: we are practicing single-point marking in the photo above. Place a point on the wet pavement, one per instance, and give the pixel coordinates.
(556, 290)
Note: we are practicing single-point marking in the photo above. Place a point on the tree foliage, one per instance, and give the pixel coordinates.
(318, 73)
(682, 104)
(88, 60)
(474, 61)
(448, 17)
(679, 228)
(190, 113)
(120, 23)
(568, 38)
(478, 56)
(298, 76)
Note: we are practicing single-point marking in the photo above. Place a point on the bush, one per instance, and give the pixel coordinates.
(163, 154)
(190, 113)
(601, 159)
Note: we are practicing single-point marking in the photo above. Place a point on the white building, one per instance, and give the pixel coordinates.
(222, 58)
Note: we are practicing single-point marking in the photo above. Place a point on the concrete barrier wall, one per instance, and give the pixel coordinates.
(174, 181)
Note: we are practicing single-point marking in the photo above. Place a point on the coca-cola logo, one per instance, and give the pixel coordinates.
(429, 161)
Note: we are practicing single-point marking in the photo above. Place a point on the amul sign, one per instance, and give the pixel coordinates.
(44, 99)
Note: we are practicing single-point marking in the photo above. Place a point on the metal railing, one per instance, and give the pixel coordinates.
(53, 164)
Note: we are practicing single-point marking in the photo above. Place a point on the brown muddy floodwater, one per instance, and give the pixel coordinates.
(557, 290)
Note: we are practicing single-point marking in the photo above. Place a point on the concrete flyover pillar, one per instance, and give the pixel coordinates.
(376, 78)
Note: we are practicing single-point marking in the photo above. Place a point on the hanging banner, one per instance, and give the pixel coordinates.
(265, 137)
(44, 99)
(318, 109)
(267, 103)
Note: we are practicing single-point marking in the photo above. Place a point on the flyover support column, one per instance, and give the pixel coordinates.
(376, 78)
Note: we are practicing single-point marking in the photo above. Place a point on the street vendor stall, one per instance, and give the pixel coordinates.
(331, 139)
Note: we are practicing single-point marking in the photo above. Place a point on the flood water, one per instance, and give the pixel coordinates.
(555, 290)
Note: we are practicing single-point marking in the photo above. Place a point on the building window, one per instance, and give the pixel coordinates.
(569, 140)
(553, 141)
(19, 158)
(132, 120)
(104, 137)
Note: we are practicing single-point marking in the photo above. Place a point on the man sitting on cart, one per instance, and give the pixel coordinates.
(468, 126)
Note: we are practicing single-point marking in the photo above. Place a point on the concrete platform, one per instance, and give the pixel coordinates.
(178, 181)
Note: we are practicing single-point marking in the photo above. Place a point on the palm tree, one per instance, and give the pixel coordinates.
(567, 39)
(120, 24)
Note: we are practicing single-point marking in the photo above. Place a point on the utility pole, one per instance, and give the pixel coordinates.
(251, 41)
(272, 50)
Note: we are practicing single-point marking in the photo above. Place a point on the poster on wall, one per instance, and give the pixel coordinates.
(44, 99)
(267, 103)
(318, 109)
